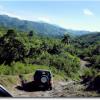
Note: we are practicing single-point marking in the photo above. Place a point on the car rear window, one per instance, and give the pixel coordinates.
(39, 73)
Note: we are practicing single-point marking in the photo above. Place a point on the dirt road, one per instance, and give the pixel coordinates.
(60, 89)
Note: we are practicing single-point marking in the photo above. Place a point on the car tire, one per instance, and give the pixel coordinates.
(50, 88)
(44, 79)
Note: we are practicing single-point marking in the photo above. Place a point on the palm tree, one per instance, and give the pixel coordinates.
(66, 39)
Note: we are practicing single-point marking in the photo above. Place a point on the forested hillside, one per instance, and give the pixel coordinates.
(41, 28)
(89, 50)
(88, 39)
(30, 48)
(20, 51)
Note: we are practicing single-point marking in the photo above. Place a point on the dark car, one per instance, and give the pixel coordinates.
(4, 92)
(43, 79)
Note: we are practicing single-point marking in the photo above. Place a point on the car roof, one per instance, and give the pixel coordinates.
(43, 70)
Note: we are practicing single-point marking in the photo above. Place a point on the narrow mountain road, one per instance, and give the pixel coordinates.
(60, 89)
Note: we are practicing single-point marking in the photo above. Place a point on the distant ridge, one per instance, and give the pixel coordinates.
(40, 27)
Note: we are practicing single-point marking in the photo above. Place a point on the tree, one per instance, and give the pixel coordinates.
(11, 48)
(10, 34)
(44, 46)
(66, 39)
(55, 50)
(32, 33)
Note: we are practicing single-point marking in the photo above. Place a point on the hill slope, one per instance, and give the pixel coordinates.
(41, 27)
(90, 38)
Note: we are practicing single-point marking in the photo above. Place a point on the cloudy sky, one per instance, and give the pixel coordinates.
(78, 15)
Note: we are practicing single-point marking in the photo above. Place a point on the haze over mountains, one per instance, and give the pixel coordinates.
(40, 27)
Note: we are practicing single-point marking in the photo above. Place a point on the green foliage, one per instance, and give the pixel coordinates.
(24, 51)
(95, 60)
(66, 39)
(32, 33)
(20, 51)
(89, 39)
(10, 34)
(89, 72)
(11, 49)
(16, 69)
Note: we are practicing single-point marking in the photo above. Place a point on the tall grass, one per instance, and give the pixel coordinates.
(21, 68)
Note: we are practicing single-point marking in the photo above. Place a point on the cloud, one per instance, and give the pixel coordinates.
(88, 12)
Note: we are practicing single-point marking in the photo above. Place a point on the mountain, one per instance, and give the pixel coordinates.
(40, 27)
(90, 38)
(78, 33)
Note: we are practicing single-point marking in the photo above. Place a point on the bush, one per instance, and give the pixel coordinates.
(20, 68)
(89, 72)
(68, 63)
(42, 51)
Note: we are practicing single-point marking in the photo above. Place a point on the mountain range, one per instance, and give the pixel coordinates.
(40, 27)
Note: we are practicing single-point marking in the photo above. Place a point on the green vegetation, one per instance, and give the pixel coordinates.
(27, 46)
(22, 53)
(89, 50)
